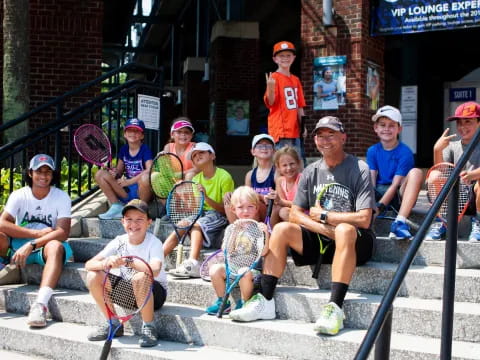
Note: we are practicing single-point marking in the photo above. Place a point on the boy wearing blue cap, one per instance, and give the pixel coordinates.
(120, 185)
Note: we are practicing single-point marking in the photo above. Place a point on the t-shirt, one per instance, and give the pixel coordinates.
(327, 88)
(264, 187)
(389, 163)
(34, 213)
(283, 117)
(352, 172)
(134, 165)
(186, 162)
(290, 195)
(237, 127)
(150, 249)
(215, 187)
(454, 151)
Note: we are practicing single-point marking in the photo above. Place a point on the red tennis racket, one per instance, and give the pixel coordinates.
(93, 145)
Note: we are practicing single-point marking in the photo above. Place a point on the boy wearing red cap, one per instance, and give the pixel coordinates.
(445, 149)
(284, 98)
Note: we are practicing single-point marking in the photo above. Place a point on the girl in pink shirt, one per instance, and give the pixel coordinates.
(289, 165)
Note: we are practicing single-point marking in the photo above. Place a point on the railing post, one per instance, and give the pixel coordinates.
(449, 275)
(382, 345)
(58, 137)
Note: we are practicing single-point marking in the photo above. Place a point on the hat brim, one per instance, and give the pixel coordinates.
(279, 51)
(130, 207)
(452, 118)
(331, 127)
(181, 127)
(134, 127)
(35, 168)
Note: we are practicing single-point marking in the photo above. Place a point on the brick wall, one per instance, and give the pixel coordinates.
(349, 37)
(65, 47)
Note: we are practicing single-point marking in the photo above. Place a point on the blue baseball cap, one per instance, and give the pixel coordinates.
(135, 123)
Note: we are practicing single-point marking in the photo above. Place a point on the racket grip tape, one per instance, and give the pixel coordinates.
(106, 349)
(269, 208)
(316, 269)
(222, 307)
(179, 254)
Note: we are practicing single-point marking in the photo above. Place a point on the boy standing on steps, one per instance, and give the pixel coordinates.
(391, 162)
(467, 117)
(284, 98)
(214, 182)
(35, 224)
(137, 241)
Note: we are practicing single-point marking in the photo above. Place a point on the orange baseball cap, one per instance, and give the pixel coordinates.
(468, 110)
(282, 46)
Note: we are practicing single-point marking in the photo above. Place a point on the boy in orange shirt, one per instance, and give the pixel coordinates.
(284, 98)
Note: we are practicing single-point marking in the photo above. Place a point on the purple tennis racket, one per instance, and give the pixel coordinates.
(93, 145)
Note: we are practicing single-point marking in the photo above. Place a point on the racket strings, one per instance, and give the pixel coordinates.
(92, 144)
(217, 258)
(166, 172)
(185, 203)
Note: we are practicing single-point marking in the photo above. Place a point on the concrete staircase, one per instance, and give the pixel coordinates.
(186, 331)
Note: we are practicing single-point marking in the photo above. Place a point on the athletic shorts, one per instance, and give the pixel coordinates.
(381, 189)
(213, 225)
(132, 193)
(159, 292)
(364, 248)
(471, 209)
(36, 257)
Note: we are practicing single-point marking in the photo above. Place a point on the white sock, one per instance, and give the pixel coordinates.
(44, 294)
(401, 218)
(194, 262)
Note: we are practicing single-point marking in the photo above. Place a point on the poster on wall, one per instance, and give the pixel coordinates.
(411, 16)
(149, 111)
(329, 82)
(373, 85)
(238, 119)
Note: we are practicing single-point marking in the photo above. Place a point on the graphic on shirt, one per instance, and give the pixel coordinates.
(39, 221)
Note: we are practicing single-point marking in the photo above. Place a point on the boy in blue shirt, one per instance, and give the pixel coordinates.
(134, 158)
(391, 163)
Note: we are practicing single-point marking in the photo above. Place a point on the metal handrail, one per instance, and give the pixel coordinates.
(449, 280)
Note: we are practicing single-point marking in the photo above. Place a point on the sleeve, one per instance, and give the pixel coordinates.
(13, 203)
(405, 163)
(64, 206)
(371, 158)
(227, 184)
(147, 154)
(156, 249)
(448, 155)
(110, 249)
(301, 197)
(364, 195)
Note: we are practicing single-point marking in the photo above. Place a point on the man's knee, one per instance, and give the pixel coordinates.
(53, 249)
(345, 236)
(285, 233)
(94, 278)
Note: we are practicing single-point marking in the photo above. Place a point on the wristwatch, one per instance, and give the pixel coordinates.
(33, 244)
(323, 216)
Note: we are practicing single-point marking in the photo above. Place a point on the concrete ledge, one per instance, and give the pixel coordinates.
(91, 206)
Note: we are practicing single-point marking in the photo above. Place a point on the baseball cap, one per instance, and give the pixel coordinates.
(467, 110)
(282, 46)
(41, 159)
(259, 137)
(137, 204)
(180, 124)
(390, 112)
(135, 123)
(329, 122)
(201, 146)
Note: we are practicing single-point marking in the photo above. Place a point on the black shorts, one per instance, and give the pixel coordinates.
(471, 209)
(159, 292)
(364, 248)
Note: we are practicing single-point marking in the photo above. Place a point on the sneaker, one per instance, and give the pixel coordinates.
(115, 212)
(149, 336)
(239, 304)
(100, 333)
(437, 230)
(475, 234)
(330, 321)
(257, 308)
(213, 309)
(37, 317)
(186, 270)
(399, 231)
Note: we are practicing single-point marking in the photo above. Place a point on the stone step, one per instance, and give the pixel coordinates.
(190, 325)
(411, 316)
(14, 355)
(61, 340)
(425, 282)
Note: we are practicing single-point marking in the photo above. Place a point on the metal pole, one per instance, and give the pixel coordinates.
(449, 275)
(382, 345)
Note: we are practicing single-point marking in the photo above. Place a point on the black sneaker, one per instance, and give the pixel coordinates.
(100, 333)
(149, 336)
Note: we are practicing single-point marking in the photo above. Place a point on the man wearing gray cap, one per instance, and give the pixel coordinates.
(34, 226)
(352, 238)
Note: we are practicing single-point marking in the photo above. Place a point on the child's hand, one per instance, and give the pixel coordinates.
(113, 261)
(113, 172)
(444, 140)
(467, 176)
(270, 80)
(272, 195)
(122, 182)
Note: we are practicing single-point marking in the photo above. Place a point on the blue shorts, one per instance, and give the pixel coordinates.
(36, 257)
(132, 193)
(213, 225)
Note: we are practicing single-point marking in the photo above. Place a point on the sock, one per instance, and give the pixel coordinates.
(194, 262)
(401, 218)
(339, 290)
(150, 323)
(268, 284)
(478, 215)
(44, 294)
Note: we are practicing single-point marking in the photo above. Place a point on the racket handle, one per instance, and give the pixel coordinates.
(316, 269)
(269, 208)
(106, 349)
(222, 307)
(179, 254)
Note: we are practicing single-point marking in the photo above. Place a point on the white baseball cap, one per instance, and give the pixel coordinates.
(41, 159)
(259, 137)
(201, 146)
(390, 112)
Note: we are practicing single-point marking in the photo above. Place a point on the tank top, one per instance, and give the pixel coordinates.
(290, 195)
(187, 163)
(263, 188)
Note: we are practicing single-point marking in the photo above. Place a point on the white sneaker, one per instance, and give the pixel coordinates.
(187, 269)
(115, 212)
(330, 321)
(257, 308)
(37, 317)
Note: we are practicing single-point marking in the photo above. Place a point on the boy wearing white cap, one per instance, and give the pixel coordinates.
(214, 182)
(391, 164)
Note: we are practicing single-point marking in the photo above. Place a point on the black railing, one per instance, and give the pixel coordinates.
(380, 328)
(108, 109)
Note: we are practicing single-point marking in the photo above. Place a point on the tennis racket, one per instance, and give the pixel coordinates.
(184, 207)
(93, 145)
(166, 171)
(332, 197)
(126, 290)
(242, 247)
(216, 258)
(437, 176)
(269, 212)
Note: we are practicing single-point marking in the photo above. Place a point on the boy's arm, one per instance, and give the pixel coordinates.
(270, 92)
(469, 176)
(392, 189)
(217, 206)
(248, 178)
(442, 142)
